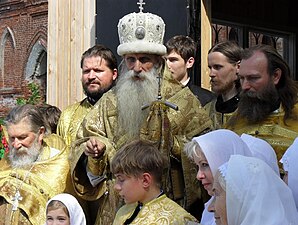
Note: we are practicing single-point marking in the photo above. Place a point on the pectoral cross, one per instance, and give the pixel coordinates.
(15, 200)
(141, 3)
(159, 77)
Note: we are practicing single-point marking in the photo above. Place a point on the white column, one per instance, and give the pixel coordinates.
(206, 41)
(71, 31)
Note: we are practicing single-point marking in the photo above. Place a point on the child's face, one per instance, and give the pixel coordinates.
(57, 217)
(130, 188)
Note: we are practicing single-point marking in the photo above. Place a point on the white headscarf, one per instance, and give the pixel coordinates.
(76, 214)
(290, 164)
(219, 145)
(261, 149)
(255, 194)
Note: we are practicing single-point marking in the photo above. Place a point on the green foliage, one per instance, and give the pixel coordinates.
(4, 149)
(34, 98)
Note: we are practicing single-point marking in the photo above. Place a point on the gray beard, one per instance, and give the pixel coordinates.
(24, 157)
(131, 95)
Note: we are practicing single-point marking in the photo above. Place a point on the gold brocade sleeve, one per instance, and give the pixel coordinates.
(189, 120)
(100, 124)
(97, 166)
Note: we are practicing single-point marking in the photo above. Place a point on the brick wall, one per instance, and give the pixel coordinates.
(22, 24)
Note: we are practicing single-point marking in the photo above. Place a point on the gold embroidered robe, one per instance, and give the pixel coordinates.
(68, 126)
(218, 119)
(273, 130)
(46, 179)
(161, 211)
(189, 120)
(71, 119)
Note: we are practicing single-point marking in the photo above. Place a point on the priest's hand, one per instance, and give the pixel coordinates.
(94, 148)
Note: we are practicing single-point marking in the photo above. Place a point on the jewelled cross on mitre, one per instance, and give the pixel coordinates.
(141, 3)
(15, 200)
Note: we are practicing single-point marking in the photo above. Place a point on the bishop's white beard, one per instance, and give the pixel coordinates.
(132, 93)
(24, 157)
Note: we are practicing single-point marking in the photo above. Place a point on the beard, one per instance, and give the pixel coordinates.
(25, 157)
(134, 91)
(255, 107)
(94, 94)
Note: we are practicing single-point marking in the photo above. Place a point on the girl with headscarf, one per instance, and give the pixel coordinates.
(66, 209)
(248, 192)
(290, 166)
(209, 151)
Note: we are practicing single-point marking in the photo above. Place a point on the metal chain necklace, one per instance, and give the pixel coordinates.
(18, 197)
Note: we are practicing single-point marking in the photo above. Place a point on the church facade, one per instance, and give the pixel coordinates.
(23, 49)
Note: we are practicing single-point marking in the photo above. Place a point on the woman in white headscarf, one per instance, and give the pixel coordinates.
(248, 192)
(66, 209)
(209, 151)
(261, 149)
(290, 166)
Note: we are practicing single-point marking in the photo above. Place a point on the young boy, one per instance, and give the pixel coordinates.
(138, 168)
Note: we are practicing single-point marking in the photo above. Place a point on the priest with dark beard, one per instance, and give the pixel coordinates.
(120, 116)
(268, 106)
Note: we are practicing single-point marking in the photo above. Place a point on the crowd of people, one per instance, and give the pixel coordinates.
(148, 146)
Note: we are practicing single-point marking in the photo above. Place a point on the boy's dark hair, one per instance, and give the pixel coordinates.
(139, 157)
(185, 46)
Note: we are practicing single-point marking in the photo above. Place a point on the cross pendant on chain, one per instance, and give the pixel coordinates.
(159, 77)
(15, 200)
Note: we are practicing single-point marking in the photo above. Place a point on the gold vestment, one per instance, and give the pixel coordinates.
(189, 120)
(161, 210)
(71, 119)
(68, 126)
(36, 186)
(219, 119)
(273, 130)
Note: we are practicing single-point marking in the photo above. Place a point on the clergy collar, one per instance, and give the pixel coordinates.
(227, 106)
(93, 100)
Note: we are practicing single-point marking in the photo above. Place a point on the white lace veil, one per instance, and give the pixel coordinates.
(262, 150)
(290, 164)
(255, 194)
(219, 145)
(76, 214)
